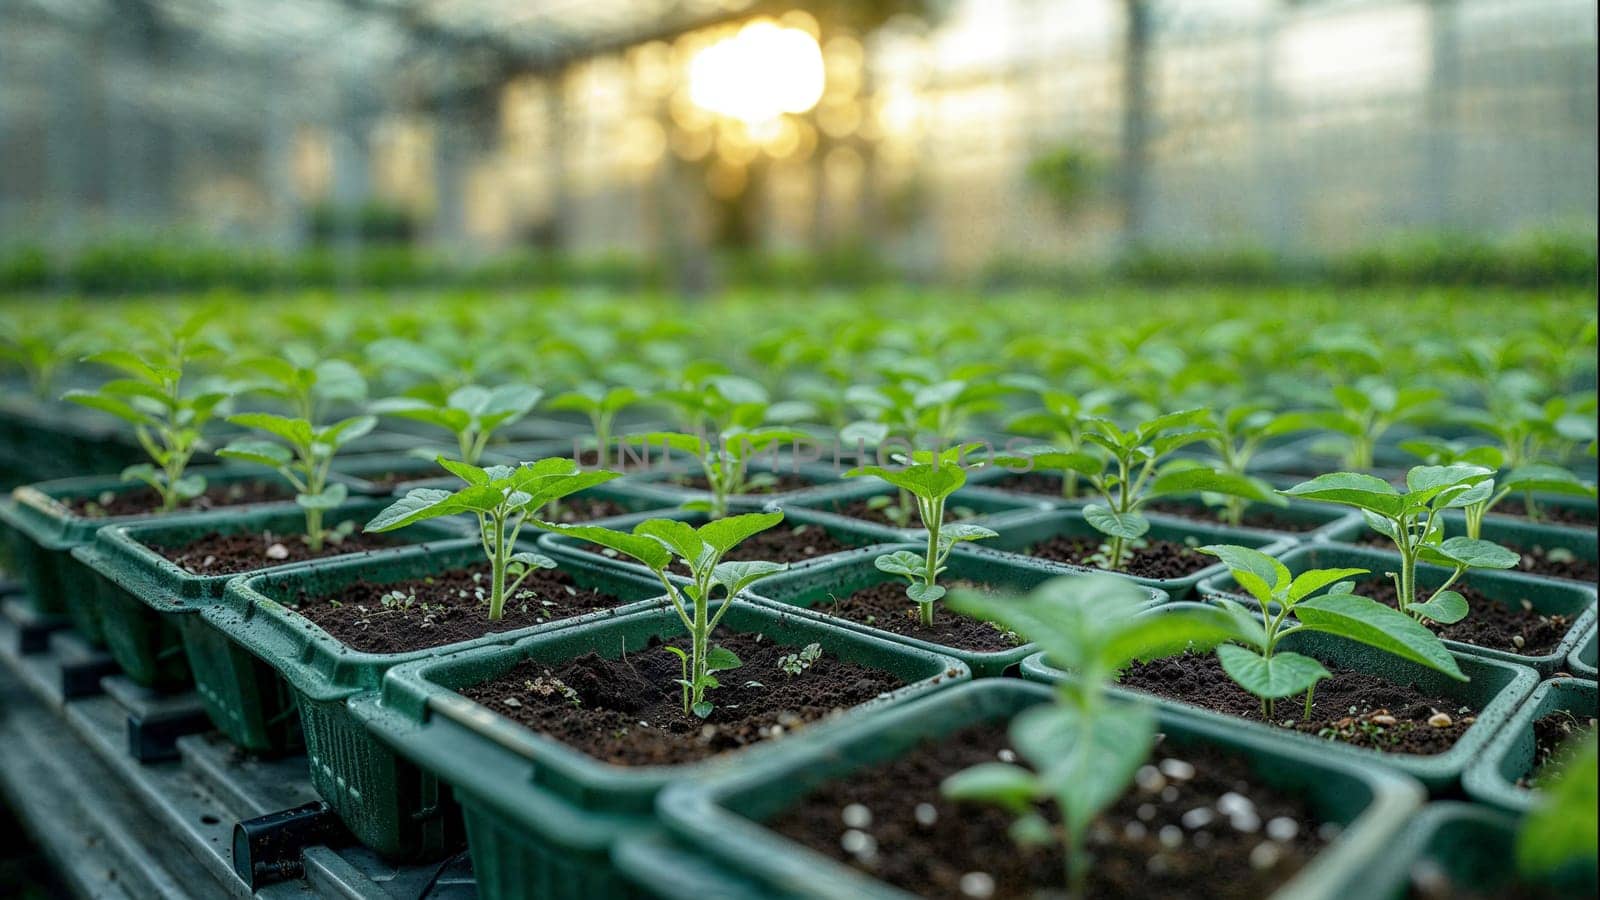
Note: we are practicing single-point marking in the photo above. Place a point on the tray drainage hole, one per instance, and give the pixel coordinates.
(209, 819)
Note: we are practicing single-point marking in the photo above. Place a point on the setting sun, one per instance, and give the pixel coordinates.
(758, 74)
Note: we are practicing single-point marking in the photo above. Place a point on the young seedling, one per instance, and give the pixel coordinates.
(1526, 479)
(795, 663)
(1411, 519)
(303, 453)
(1133, 467)
(1361, 413)
(656, 543)
(931, 479)
(1236, 437)
(1085, 747)
(471, 413)
(167, 419)
(1290, 603)
(503, 498)
(725, 460)
(1060, 420)
(601, 405)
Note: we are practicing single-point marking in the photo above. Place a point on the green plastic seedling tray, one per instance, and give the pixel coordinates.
(1021, 533)
(1496, 690)
(1320, 519)
(41, 533)
(851, 535)
(721, 815)
(1581, 662)
(147, 603)
(1474, 847)
(542, 816)
(1492, 778)
(810, 588)
(1545, 595)
(387, 804)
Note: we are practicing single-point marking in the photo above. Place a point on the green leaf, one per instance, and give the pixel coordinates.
(331, 496)
(416, 505)
(736, 576)
(703, 709)
(109, 405)
(265, 453)
(189, 487)
(296, 432)
(343, 432)
(1377, 625)
(1085, 763)
(902, 562)
(1352, 489)
(1272, 575)
(133, 365)
(533, 560)
(721, 659)
(1164, 632)
(679, 537)
(1313, 580)
(1002, 784)
(1472, 553)
(923, 480)
(1281, 675)
(955, 533)
(467, 472)
(1128, 525)
(1202, 480)
(922, 593)
(1445, 607)
(1546, 479)
(726, 533)
(645, 549)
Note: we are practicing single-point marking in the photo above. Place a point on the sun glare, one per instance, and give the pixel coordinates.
(760, 73)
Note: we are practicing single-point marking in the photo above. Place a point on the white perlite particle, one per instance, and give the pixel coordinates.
(856, 816)
(1282, 829)
(979, 885)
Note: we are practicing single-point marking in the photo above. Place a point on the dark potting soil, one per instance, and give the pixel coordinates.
(393, 480)
(617, 462)
(885, 605)
(1491, 623)
(1149, 558)
(783, 544)
(1037, 483)
(771, 483)
(215, 553)
(1352, 707)
(144, 500)
(1551, 732)
(453, 606)
(629, 711)
(573, 510)
(1551, 513)
(863, 509)
(1164, 838)
(1264, 519)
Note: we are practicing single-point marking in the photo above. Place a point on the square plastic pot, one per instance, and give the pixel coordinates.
(1581, 661)
(1551, 597)
(721, 816)
(1516, 534)
(1495, 690)
(1493, 777)
(971, 505)
(541, 816)
(1475, 848)
(41, 533)
(387, 804)
(851, 536)
(810, 588)
(147, 604)
(1587, 508)
(1020, 533)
